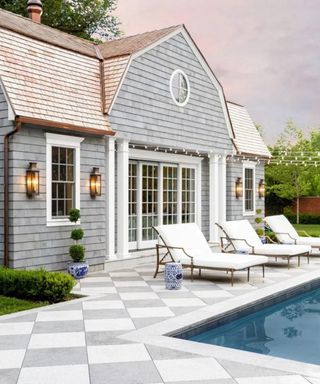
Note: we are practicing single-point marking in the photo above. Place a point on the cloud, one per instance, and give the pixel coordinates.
(265, 53)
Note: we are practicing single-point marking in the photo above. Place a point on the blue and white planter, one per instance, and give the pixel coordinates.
(173, 275)
(78, 270)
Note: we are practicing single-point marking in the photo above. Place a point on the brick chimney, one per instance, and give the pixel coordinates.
(35, 10)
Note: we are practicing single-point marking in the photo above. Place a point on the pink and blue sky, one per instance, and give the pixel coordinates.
(266, 53)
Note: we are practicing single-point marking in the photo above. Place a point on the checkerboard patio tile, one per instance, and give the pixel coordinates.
(81, 341)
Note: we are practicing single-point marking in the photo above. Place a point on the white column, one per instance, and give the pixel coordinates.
(110, 198)
(213, 197)
(122, 198)
(223, 189)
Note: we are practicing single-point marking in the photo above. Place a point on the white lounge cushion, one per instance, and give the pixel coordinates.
(281, 249)
(242, 229)
(279, 223)
(226, 261)
(190, 238)
(312, 241)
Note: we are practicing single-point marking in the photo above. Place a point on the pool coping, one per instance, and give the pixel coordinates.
(160, 334)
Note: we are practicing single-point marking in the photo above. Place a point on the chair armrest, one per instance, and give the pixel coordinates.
(270, 240)
(285, 233)
(245, 241)
(182, 249)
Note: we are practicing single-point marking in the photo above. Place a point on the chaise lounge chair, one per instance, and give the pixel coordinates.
(286, 234)
(186, 244)
(239, 236)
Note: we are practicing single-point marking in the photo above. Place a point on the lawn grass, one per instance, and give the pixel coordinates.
(311, 229)
(11, 305)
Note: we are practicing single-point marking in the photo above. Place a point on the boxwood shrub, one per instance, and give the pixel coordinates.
(36, 285)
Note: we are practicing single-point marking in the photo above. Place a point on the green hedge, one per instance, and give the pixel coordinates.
(38, 285)
(305, 218)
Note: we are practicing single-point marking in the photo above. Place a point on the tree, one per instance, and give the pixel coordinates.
(294, 172)
(83, 18)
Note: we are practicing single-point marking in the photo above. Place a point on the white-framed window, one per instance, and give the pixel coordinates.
(180, 87)
(63, 177)
(249, 198)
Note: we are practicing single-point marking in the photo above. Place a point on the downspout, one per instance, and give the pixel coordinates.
(6, 191)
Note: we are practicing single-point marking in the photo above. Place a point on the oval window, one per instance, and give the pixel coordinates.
(179, 87)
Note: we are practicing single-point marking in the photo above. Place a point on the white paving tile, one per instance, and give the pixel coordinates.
(212, 294)
(138, 295)
(237, 286)
(183, 302)
(129, 283)
(11, 359)
(286, 379)
(150, 312)
(117, 353)
(103, 304)
(59, 315)
(57, 340)
(16, 328)
(124, 274)
(55, 375)
(190, 369)
(108, 325)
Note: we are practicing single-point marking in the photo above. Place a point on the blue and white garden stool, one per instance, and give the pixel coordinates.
(173, 275)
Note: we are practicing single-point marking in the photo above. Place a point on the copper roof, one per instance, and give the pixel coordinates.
(132, 44)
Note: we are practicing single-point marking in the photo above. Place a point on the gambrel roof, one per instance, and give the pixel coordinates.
(50, 77)
(247, 138)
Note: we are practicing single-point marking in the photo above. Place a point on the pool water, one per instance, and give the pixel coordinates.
(289, 329)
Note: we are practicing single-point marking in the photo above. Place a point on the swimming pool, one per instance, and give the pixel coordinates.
(289, 329)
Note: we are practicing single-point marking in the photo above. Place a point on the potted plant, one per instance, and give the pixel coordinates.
(260, 231)
(79, 268)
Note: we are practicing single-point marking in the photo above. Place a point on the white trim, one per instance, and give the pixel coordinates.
(249, 165)
(66, 142)
(110, 198)
(213, 198)
(222, 189)
(122, 199)
(140, 154)
(174, 73)
(11, 112)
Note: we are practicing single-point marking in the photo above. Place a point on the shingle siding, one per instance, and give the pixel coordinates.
(145, 112)
(5, 127)
(32, 243)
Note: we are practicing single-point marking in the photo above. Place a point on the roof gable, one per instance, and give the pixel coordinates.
(247, 138)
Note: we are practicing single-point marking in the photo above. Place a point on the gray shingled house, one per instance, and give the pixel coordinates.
(146, 113)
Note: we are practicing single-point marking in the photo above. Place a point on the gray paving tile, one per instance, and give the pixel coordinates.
(66, 307)
(125, 373)
(58, 326)
(127, 278)
(20, 319)
(92, 284)
(182, 310)
(175, 295)
(9, 376)
(143, 303)
(14, 342)
(134, 289)
(108, 296)
(55, 356)
(105, 314)
(145, 322)
(105, 338)
(218, 381)
(244, 370)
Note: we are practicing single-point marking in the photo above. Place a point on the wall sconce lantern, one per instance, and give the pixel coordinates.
(32, 180)
(261, 189)
(95, 183)
(238, 187)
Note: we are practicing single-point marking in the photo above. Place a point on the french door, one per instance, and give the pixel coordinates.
(159, 193)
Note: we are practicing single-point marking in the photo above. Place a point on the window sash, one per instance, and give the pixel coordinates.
(248, 189)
